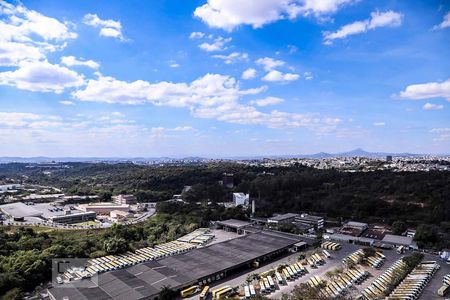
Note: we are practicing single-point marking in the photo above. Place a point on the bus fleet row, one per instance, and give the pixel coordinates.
(411, 287)
(339, 286)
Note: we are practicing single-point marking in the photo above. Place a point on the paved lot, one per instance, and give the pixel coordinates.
(430, 291)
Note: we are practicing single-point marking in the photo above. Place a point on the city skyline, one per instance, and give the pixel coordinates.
(223, 78)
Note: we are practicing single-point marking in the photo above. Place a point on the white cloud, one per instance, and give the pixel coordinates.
(211, 96)
(269, 63)
(377, 19)
(196, 35)
(445, 22)
(41, 77)
(108, 28)
(249, 74)
(173, 64)
(431, 106)
(15, 119)
(427, 90)
(67, 102)
(182, 128)
(233, 57)
(73, 61)
(229, 14)
(308, 75)
(219, 44)
(379, 124)
(277, 76)
(443, 134)
(267, 101)
(26, 35)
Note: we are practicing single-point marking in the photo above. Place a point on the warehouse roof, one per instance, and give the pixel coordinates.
(397, 240)
(20, 210)
(233, 223)
(145, 280)
(283, 217)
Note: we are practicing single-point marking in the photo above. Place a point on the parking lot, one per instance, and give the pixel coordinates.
(430, 292)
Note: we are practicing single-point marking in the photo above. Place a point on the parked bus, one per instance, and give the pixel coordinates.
(271, 283)
(279, 278)
(247, 292)
(217, 291)
(327, 254)
(262, 286)
(204, 293)
(286, 274)
(252, 290)
(443, 290)
(190, 291)
(223, 293)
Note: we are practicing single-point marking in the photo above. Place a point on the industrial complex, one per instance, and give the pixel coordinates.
(199, 266)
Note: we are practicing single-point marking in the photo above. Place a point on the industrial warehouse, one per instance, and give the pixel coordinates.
(201, 265)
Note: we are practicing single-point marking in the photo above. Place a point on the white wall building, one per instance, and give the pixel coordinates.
(241, 199)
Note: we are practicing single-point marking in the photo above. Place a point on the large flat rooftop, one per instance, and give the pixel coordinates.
(145, 280)
(20, 210)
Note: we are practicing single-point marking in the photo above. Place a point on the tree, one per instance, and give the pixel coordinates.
(115, 245)
(167, 294)
(398, 227)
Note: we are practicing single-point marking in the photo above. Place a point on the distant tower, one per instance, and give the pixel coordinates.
(253, 207)
(389, 158)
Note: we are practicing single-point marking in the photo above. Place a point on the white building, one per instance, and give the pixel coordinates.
(241, 199)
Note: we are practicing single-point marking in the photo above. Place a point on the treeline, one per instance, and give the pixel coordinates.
(382, 196)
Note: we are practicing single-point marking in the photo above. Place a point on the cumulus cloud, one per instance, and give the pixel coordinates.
(269, 63)
(211, 96)
(66, 102)
(73, 61)
(250, 73)
(41, 76)
(267, 101)
(229, 14)
(443, 134)
(233, 57)
(431, 106)
(277, 76)
(377, 19)
(218, 44)
(445, 22)
(196, 35)
(427, 90)
(108, 27)
(26, 35)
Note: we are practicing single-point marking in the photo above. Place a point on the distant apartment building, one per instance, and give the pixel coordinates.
(124, 199)
(288, 218)
(73, 217)
(309, 220)
(228, 180)
(103, 208)
(241, 199)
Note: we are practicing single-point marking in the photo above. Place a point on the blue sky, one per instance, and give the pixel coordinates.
(223, 77)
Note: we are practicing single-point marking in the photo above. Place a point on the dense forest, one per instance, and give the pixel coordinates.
(382, 196)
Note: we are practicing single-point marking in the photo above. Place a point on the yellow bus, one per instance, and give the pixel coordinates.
(217, 291)
(221, 294)
(190, 291)
(204, 292)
